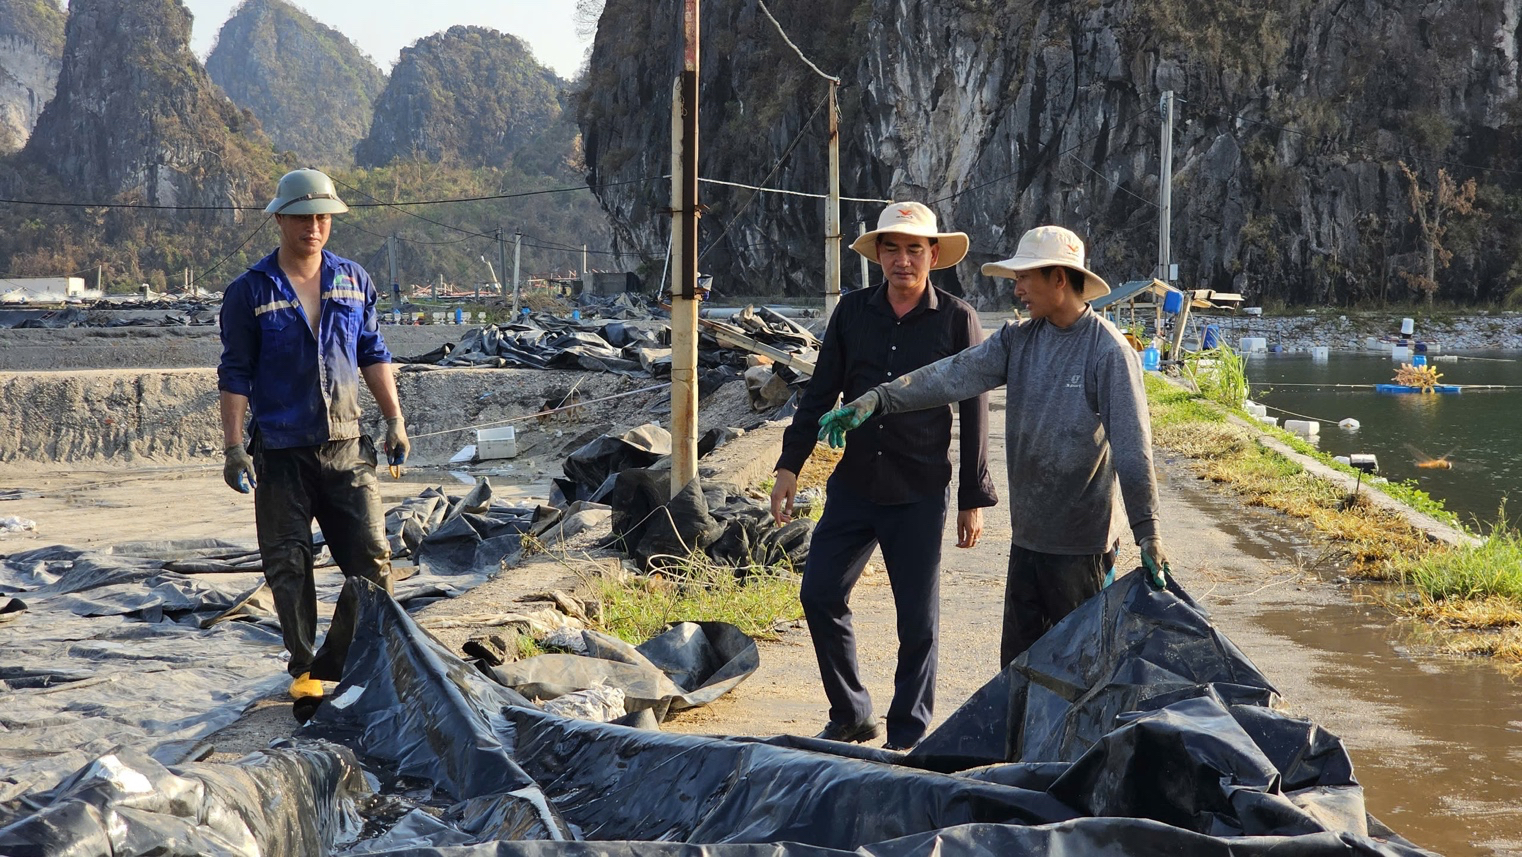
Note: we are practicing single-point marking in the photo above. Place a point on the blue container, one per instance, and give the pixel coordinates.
(1150, 358)
(1173, 302)
(1212, 336)
(1419, 360)
(459, 315)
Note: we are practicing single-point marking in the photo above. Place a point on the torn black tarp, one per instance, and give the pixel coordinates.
(691, 664)
(298, 798)
(639, 792)
(728, 527)
(1186, 773)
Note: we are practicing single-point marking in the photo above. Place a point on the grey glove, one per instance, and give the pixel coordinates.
(1155, 560)
(238, 470)
(397, 444)
(834, 425)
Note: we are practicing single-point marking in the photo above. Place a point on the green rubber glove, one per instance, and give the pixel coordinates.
(1155, 561)
(834, 425)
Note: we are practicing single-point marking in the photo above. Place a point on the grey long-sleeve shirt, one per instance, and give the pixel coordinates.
(1075, 422)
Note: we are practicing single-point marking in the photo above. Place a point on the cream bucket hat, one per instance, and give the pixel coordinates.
(912, 218)
(1050, 245)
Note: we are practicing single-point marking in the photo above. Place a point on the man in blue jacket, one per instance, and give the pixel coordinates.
(298, 332)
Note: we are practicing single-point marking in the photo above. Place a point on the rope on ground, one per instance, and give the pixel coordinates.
(1302, 416)
(544, 413)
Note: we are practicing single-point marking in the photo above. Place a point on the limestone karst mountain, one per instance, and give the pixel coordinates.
(31, 41)
(309, 85)
(474, 95)
(1293, 122)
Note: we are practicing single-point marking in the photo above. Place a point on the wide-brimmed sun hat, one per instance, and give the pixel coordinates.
(1045, 246)
(913, 218)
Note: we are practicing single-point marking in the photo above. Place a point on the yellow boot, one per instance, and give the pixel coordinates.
(304, 686)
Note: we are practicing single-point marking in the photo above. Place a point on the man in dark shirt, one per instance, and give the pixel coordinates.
(891, 487)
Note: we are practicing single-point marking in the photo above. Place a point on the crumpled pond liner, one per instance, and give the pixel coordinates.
(1156, 739)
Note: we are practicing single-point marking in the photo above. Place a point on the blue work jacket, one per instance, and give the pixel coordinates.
(302, 390)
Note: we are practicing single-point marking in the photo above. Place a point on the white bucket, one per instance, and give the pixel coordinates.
(1407, 327)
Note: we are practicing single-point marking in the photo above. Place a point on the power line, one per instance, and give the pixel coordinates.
(1112, 182)
(376, 204)
(1124, 124)
(263, 221)
(783, 33)
(794, 192)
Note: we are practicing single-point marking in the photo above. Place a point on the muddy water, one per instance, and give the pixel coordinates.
(1436, 741)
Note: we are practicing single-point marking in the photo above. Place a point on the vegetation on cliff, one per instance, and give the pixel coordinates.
(308, 84)
(40, 22)
(474, 96)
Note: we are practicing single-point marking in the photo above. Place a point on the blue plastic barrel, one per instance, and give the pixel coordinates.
(459, 315)
(1212, 336)
(1173, 302)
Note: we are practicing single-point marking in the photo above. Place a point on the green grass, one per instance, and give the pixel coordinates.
(637, 608)
(1219, 374)
(1492, 569)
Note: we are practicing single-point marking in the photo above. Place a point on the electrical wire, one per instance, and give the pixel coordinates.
(263, 222)
(802, 129)
(794, 192)
(544, 413)
(1124, 125)
(783, 33)
(375, 204)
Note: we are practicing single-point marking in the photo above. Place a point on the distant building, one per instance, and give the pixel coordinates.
(44, 289)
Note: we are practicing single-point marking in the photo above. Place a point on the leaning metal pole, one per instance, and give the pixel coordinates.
(684, 255)
(832, 215)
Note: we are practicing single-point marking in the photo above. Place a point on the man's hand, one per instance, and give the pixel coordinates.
(397, 444)
(783, 491)
(238, 470)
(834, 425)
(1155, 560)
(969, 527)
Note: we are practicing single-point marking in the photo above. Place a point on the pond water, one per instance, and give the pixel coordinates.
(1477, 428)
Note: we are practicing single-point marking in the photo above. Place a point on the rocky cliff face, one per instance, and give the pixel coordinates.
(469, 94)
(31, 41)
(311, 88)
(135, 117)
(1294, 120)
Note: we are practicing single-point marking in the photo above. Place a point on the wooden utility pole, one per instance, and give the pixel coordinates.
(832, 214)
(502, 259)
(517, 259)
(1165, 193)
(684, 231)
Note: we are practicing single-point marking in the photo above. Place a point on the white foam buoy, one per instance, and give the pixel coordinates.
(1343, 459)
(1268, 421)
(1255, 410)
(1350, 424)
(1446, 358)
(1368, 462)
(1320, 352)
(1400, 352)
(1304, 428)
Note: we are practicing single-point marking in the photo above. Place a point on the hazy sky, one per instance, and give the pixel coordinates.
(382, 28)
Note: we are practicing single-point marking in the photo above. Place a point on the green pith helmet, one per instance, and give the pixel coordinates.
(306, 192)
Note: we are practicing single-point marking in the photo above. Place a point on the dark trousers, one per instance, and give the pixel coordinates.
(910, 536)
(1042, 588)
(334, 483)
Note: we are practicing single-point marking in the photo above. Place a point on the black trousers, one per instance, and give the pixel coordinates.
(910, 536)
(334, 483)
(1040, 589)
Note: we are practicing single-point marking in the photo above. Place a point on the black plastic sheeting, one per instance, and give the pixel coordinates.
(690, 665)
(155, 645)
(729, 528)
(467, 767)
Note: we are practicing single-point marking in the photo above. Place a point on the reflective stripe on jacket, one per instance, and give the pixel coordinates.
(302, 390)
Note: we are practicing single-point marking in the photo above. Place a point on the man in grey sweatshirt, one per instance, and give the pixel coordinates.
(1075, 424)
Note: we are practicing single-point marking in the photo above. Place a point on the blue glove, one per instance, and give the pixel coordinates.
(1155, 561)
(834, 425)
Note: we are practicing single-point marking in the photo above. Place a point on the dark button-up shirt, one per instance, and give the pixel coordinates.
(899, 458)
(303, 390)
